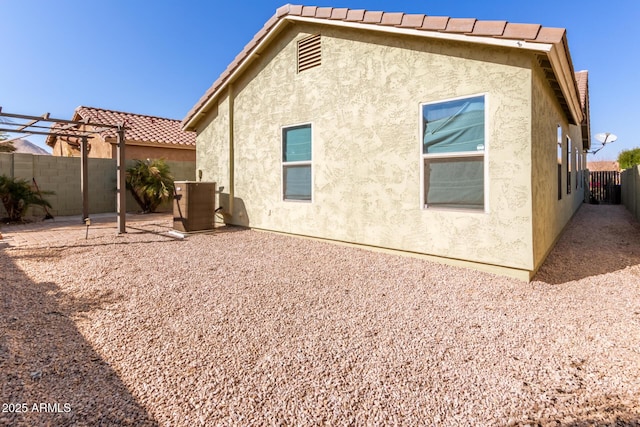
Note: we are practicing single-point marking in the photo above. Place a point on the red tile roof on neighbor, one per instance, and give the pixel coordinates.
(528, 33)
(138, 127)
(603, 165)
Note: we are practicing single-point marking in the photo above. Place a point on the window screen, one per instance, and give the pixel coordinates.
(453, 145)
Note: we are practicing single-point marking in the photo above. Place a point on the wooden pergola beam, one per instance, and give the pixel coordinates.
(25, 128)
(45, 118)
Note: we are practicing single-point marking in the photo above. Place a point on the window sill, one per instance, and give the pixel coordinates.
(297, 201)
(452, 209)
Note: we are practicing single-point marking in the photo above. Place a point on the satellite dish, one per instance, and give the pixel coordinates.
(606, 137)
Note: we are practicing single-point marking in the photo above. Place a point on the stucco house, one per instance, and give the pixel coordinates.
(146, 137)
(460, 140)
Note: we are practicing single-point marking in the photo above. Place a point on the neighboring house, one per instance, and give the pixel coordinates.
(603, 165)
(429, 135)
(146, 137)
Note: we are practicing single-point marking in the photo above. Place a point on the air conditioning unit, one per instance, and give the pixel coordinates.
(194, 206)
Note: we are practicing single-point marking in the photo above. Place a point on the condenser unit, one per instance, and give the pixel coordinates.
(194, 206)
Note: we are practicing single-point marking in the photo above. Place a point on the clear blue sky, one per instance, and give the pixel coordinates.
(159, 57)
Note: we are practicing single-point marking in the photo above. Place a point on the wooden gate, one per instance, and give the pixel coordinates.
(604, 187)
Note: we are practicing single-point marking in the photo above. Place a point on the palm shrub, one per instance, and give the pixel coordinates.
(150, 183)
(17, 195)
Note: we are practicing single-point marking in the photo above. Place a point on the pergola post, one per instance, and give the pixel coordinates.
(84, 184)
(69, 129)
(121, 181)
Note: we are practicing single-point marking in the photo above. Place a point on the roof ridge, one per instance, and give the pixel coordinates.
(125, 112)
(397, 18)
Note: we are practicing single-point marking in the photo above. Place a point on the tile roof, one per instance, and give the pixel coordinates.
(532, 33)
(139, 127)
(582, 83)
(582, 80)
(603, 165)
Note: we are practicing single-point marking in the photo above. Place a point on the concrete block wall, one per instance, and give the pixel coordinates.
(630, 182)
(62, 175)
(181, 171)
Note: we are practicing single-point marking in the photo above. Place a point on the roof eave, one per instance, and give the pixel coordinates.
(192, 120)
(563, 69)
(556, 52)
(157, 144)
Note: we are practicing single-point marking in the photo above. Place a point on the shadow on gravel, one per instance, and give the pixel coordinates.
(605, 411)
(48, 371)
(600, 239)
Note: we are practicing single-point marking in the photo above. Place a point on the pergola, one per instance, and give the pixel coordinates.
(44, 125)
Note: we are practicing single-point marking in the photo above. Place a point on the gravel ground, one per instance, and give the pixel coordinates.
(251, 328)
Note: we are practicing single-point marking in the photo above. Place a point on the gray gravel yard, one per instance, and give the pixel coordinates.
(249, 328)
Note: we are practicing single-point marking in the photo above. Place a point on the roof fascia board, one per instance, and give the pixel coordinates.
(538, 47)
(559, 62)
(113, 140)
(272, 33)
(566, 78)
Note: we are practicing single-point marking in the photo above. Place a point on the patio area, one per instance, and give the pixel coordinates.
(70, 230)
(243, 327)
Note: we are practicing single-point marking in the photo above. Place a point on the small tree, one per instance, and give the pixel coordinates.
(17, 195)
(629, 158)
(150, 183)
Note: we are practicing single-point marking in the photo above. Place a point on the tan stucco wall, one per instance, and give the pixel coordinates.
(212, 152)
(145, 152)
(364, 106)
(551, 215)
(101, 149)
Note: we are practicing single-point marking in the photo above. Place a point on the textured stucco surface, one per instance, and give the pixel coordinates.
(150, 152)
(364, 106)
(550, 215)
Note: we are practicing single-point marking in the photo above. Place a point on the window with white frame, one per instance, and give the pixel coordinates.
(569, 153)
(559, 157)
(296, 162)
(582, 174)
(577, 157)
(453, 153)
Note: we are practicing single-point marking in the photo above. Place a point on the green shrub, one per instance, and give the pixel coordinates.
(17, 195)
(150, 183)
(629, 158)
